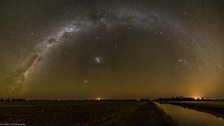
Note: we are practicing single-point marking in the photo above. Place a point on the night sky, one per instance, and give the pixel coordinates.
(80, 49)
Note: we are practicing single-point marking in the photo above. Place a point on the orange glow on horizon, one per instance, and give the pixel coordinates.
(197, 97)
(98, 98)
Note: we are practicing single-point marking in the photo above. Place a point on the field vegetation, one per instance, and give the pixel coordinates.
(83, 113)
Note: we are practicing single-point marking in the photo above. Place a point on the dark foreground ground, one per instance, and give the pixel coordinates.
(213, 107)
(82, 113)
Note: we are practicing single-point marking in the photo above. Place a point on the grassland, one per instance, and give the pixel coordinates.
(83, 113)
(213, 107)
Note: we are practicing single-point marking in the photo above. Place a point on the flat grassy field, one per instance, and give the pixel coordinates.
(213, 107)
(83, 113)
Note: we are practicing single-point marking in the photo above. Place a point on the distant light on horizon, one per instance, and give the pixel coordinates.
(197, 97)
(98, 98)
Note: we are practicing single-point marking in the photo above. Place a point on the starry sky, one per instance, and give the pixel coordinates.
(80, 49)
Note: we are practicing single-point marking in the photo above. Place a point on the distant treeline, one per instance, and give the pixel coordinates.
(11, 99)
(20, 99)
(177, 98)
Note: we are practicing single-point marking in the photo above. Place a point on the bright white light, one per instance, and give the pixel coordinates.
(98, 98)
(98, 60)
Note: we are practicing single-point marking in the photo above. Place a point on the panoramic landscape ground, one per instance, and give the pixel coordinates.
(103, 113)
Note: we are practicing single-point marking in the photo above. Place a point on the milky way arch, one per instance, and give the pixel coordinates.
(109, 20)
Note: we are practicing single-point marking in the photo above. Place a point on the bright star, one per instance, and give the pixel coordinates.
(98, 60)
